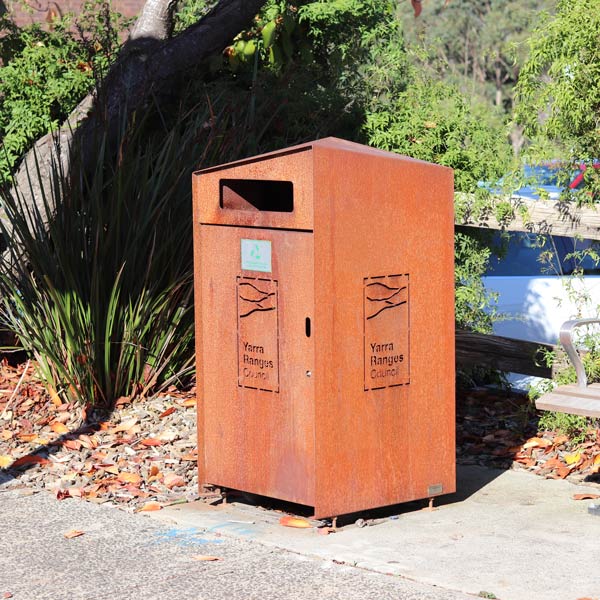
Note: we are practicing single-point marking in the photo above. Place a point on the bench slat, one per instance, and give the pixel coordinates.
(572, 399)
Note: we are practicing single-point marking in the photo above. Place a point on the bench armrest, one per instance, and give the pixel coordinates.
(566, 339)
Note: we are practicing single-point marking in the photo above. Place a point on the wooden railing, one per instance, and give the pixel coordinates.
(536, 216)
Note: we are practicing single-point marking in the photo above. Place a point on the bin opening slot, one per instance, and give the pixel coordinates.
(257, 194)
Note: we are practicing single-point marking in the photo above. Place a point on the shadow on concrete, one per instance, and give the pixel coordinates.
(469, 480)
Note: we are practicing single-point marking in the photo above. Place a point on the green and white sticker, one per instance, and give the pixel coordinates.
(256, 255)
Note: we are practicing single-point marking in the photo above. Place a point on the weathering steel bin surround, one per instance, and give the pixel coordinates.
(325, 326)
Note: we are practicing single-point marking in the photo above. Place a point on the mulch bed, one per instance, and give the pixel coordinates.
(143, 456)
(500, 429)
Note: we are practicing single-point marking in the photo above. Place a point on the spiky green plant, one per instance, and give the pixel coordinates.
(97, 279)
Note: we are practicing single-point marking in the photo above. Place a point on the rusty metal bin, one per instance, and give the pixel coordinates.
(325, 326)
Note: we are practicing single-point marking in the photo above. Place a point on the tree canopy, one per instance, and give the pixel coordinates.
(559, 85)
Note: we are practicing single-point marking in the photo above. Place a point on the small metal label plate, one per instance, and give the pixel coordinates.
(434, 490)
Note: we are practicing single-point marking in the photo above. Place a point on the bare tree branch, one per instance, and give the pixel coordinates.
(155, 21)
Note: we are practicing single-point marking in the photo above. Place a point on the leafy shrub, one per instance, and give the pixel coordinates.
(45, 72)
(98, 283)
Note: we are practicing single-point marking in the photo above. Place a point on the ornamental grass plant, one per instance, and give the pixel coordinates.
(96, 280)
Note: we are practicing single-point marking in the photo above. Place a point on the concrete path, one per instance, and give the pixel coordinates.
(509, 535)
(124, 556)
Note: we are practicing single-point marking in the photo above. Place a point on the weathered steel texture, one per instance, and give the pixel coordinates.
(362, 412)
(504, 354)
(536, 216)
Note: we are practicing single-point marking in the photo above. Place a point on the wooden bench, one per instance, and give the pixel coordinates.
(578, 398)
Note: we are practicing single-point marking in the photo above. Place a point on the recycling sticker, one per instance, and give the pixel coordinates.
(256, 255)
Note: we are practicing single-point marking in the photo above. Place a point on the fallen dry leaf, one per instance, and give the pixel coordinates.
(59, 427)
(89, 442)
(562, 472)
(168, 436)
(151, 442)
(167, 412)
(537, 442)
(129, 478)
(55, 398)
(189, 402)
(172, 480)
(585, 496)
(125, 425)
(109, 468)
(150, 506)
(552, 463)
(572, 459)
(27, 437)
(205, 557)
(72, 444)
(190, 457)
(5, 461)
(297, 522)
(73, 533)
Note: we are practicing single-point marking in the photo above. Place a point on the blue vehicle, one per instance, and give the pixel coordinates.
(545, 181)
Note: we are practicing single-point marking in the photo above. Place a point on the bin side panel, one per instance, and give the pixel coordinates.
(198, 329)
(257, 399)
(384, 303)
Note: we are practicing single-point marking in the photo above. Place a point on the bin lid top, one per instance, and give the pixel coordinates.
(332, 143)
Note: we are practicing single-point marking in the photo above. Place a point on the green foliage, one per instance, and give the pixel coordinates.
(189, 12)
(474, 305)
(317, 63)
(573, 426)
(44, 73)
(559, 87)
(99, 288)
(433, 121)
